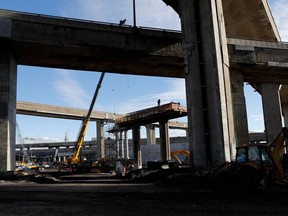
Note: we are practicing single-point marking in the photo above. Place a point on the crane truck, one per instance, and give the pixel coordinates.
(76, 162)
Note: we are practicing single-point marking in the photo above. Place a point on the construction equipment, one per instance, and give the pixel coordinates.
(76, 162)
(175, 154)
(256, 165)
(26, 158)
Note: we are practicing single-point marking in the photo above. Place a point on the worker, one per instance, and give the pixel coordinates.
(122, 22)
(158, 102)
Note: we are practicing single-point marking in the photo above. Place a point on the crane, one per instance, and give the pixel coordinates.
(76, 159)
(21, 142)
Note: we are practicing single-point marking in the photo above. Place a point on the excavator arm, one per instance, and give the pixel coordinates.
(175, 154)
(275, 151)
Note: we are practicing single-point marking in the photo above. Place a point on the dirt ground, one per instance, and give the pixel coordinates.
(110, 196)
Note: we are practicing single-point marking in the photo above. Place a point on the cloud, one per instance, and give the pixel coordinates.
(69, 89)
(175, 93)
(279, 11)
(257, 117)
(148, 12)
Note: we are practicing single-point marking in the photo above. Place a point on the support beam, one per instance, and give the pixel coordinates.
(150, 133)
(121, 145)
(137, 157)
(239, 105)
(271, 110)
(126, 143)
(285, 114)
(100, 140)
(210, 112)
(164, 141)
(8, 83)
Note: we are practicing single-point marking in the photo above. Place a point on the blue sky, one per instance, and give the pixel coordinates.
(119, 93)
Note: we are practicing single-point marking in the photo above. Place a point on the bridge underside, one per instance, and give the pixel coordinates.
(245, 19)
(98, 59)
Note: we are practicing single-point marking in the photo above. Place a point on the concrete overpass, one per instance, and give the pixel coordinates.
(52, 111)
(214, 67)
(86, 45)
(93, 46)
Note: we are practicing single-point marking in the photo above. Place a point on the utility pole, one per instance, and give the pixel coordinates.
(134, 14)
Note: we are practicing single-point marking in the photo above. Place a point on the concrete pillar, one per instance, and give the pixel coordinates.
(8, 84)
(100, 140)
(239, 105)
(285, 114)
(150, 133)
(209, 101)
(284, 103)
(164, 141)
(137, 157)
(117, 144)
(121, 145)
(126, 144)
(271, 110)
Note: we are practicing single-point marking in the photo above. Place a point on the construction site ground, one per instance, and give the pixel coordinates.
(104, 194)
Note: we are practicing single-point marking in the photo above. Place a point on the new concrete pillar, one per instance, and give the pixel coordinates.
(126, 144)
(271, 110)
(8, 84)
(100, 139)
(239, 105)
(209, 101)
(150, 133)
(117, 143)
(121, 145)
(137, 156)
(164, 141)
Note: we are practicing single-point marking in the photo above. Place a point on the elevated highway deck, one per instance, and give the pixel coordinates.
(151, 115)
(52, 111)
(40, 40)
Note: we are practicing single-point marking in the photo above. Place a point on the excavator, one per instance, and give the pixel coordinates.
(179, 163)
(77, 163)
(256, 165)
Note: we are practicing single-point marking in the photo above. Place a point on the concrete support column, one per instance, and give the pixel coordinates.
(100, 140)
(126, 144)
(121, 145)
(56, 154)
(8, 84)
(271, 110)
(150, 131)
(137, 156)
(164, 141)
(239, 105)
(285, 114)
(284, 103)
(209, 101)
